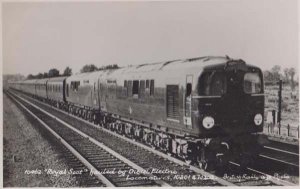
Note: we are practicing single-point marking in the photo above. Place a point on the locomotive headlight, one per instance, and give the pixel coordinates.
(258, 119)
(208, 122)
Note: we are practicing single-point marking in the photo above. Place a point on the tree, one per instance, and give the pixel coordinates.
(88, 68)
(112, 66)
(275, 71)
(67, 71)
(286, 74)
(40, 76)
(53, 73)
(30, 76)
(45, 75)
(292, 72)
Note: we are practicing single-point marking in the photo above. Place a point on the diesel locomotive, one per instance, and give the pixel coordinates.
(205, 110)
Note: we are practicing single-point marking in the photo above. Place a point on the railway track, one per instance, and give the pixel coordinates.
(255, 178)
(154, 163)
(286, 154)
(109, 167)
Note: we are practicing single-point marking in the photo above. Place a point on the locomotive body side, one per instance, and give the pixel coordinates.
(153, 95)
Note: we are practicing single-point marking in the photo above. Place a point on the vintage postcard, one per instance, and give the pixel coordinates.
(150, 93)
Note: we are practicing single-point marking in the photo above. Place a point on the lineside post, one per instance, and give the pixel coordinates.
(279, 101)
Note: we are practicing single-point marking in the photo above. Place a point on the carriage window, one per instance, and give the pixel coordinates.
(142, 89)
(152, 88)
(212, 84)
(147, 84)
(75, 85)
(125, 93)
(129, 88)
(252, 83)
(67, 92)
(135, 88)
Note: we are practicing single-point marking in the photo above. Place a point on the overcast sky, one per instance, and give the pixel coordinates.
(40, 36)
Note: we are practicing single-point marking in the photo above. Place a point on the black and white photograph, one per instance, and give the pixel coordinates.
(142, 93)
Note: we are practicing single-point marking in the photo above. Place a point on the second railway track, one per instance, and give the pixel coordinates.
(166, 161)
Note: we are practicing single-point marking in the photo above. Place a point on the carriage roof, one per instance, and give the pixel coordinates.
(42, 81)
(57, 79)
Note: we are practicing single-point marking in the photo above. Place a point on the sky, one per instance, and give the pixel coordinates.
(38, 36)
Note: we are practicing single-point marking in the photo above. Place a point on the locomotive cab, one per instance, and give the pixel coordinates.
(231, 100)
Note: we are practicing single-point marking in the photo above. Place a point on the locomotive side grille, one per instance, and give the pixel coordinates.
(173, 101)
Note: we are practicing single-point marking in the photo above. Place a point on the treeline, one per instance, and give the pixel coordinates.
(68, 71)
(51, 73)
(92, 67)
(287, 75)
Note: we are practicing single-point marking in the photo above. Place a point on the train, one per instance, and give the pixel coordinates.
(205, 110)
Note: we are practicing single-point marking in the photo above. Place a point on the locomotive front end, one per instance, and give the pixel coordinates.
(230, 108)
(231, 100)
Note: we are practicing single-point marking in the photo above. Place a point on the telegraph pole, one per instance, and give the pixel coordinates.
(279, 101)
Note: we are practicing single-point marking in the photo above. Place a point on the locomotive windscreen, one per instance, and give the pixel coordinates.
(212, 84)
(252, 83)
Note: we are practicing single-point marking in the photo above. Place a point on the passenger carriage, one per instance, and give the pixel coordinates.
(41, 88)
(28, 86)
(82, 93)
(55, 91)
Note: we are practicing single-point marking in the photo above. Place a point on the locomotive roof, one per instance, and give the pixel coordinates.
(182, 64)
(198, 62)
(179, 66)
